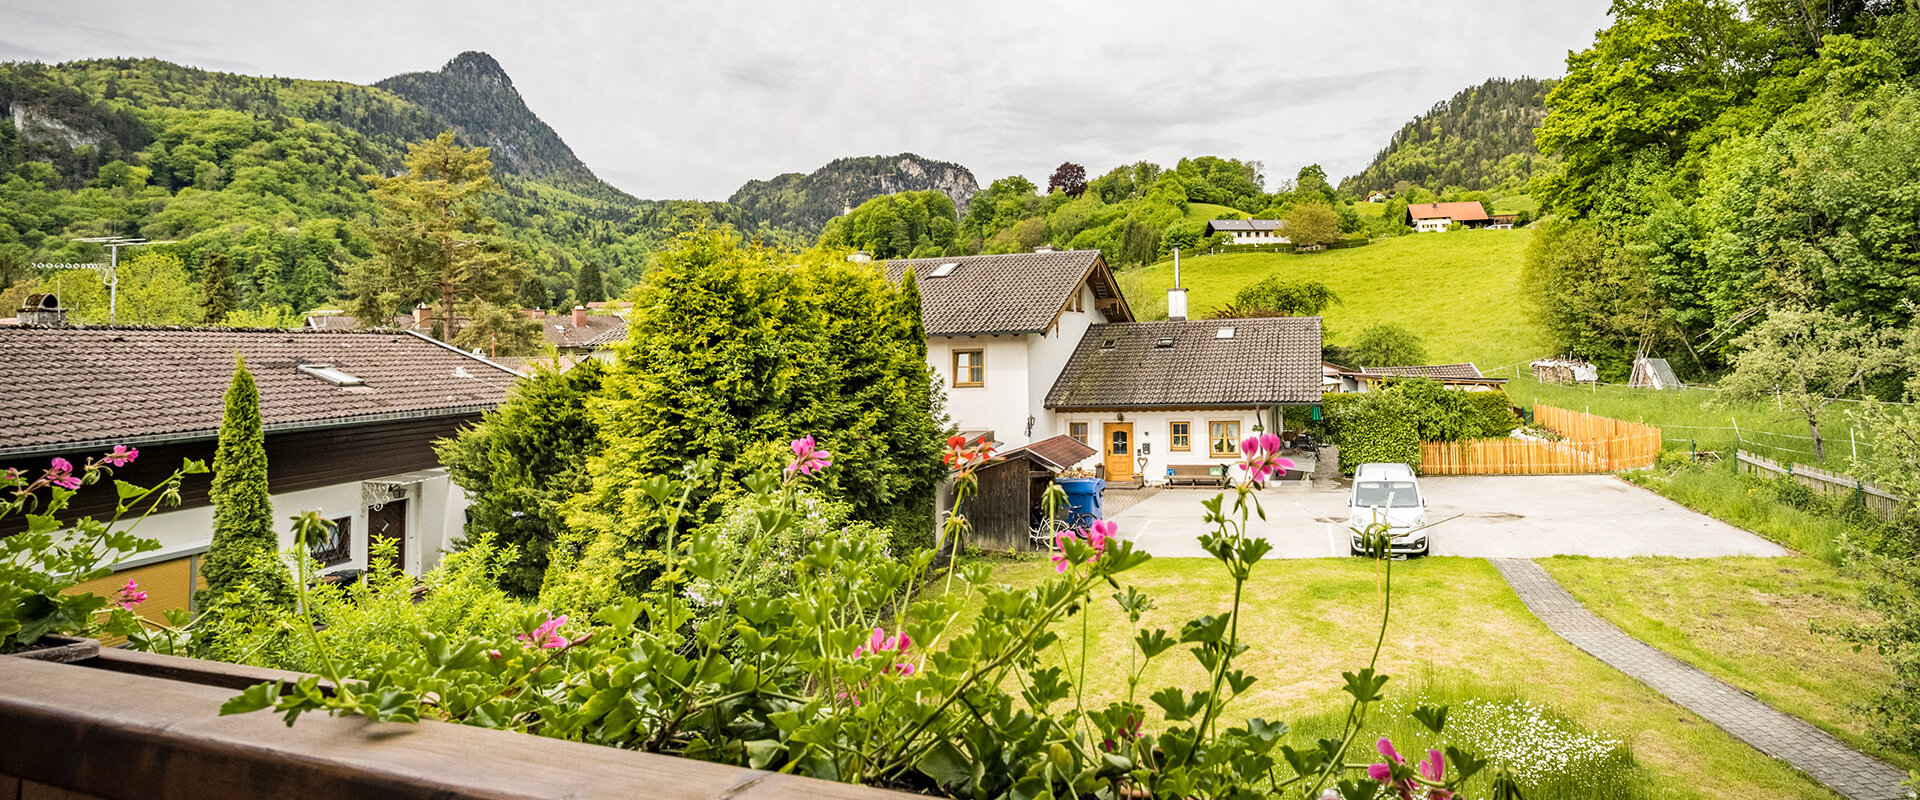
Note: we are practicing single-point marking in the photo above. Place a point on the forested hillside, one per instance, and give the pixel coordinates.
(1480, 139)
(1720, 161)
(270, 174)
(806, 202)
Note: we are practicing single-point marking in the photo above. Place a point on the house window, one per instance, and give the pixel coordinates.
(969, 368)
(1077, 430)
(1225, 437)
(1179, 436)
(337, 547)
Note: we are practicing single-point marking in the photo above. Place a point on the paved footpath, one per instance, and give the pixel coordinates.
(1850, 772)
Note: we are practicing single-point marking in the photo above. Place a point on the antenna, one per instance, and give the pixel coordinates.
(110, 271)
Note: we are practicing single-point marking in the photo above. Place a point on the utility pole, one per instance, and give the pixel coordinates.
(110, 271)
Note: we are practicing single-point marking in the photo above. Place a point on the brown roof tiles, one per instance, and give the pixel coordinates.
(1193, 364)
(86, 385)
(1011, 293)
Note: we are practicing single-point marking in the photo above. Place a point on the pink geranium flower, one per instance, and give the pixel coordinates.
(1262, 454)
(130, 595)
(1433, 767)
(121, 456)
(60, 473)
(807, 458)
(1096, 535)
(880, 642)
(545, 635)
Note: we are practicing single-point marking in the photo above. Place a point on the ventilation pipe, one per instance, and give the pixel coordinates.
(1176, 296)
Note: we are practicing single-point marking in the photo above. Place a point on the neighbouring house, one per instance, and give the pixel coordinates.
(1250, 231)
(1378, 197)
(1439, 217)
(421, 320)
(350, 420)
(1032, 346)
(1465, 377)
(618, 308)
(1503, 222)
(580, 332)
(1564, 370)
(1654, 373)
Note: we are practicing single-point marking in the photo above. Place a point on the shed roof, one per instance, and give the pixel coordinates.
(85, 386)
(1061, 451)
(1011, 293)
(1467, 370)
(1220, 363)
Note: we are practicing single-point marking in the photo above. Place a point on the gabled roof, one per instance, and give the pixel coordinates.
(66, 387)
(1458, 212)
(1215, 363)
(1013, 293)
(1229, 225)
(601, 330)
(1467, 370)
(1061, 451)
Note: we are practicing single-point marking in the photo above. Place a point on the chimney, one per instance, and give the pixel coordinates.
(1176, 296)
(859, 256)
(422, 316)
(579, 316)
(42, 309)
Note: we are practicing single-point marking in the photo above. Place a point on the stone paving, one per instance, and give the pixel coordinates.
(1850, 772)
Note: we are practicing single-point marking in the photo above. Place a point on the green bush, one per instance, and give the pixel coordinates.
(1495, 412)
(1372, 428)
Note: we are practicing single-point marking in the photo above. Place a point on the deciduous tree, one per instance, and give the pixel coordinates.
(1312, 225)
(1808, 358)
(499, 331)
(1388, 345)
(1069, 178)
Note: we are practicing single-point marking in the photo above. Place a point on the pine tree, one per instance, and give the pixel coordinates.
(534, 294)
(588, 287)
(218, 294)
(242, 510)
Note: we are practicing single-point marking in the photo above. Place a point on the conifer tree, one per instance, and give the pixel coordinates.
(218, 294)
(242, 509)
(588, 286)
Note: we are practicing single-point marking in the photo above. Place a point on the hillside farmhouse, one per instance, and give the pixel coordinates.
(350, 420)
(1031, 346)
(1439, 217)
(1250, 231)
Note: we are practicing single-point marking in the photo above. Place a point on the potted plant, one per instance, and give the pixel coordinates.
(39, 617)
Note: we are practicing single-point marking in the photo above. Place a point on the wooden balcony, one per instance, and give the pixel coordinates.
(136, 726)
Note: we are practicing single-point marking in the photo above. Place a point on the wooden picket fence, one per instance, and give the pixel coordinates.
(1592, 444)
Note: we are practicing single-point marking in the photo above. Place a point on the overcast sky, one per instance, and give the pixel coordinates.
(692, 99)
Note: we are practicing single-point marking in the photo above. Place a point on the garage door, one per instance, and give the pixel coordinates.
(168, 584)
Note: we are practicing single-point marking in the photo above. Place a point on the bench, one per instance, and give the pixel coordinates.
(1197, 474)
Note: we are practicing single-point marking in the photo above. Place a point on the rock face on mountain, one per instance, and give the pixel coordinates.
(807, 201)
(475, 96)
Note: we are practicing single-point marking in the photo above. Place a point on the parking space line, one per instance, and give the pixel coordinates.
(1333, 541)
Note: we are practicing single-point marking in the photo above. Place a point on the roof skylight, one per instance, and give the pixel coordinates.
(1223, 333)
(944, 269)
(1163, 343)
(327, 373)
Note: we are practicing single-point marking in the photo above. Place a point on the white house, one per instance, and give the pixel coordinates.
(350, 419)
(1035, 345)
(1250, 231)
(1440, 217)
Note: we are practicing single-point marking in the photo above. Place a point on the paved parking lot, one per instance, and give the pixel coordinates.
(1501, 517)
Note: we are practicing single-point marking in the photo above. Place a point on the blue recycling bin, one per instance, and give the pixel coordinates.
(1083, 497)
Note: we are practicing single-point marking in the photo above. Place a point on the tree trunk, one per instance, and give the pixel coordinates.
(1819, 446)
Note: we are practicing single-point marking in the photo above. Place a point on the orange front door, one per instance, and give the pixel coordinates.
(1119, 451)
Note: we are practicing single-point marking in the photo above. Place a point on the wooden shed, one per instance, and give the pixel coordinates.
(1011, 487)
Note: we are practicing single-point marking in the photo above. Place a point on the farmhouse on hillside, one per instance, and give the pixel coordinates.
(1031, 346)
(1439, 217)
(350, 420)
(1250, 231)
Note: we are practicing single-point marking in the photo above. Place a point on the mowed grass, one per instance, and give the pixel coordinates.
(1455, 623)
(1704, 419)
(1750, 622)
(1515, 203)
(1207, 211)
(1459, 291)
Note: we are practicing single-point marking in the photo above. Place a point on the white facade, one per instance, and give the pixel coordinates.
(1152, 438)
(1434, 225)
(435, 515)
(1259, 237)
(1019, 369)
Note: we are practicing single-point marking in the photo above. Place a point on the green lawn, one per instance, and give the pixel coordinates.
(1457, 631)
(1747, 621)
(1515, 203)
(1459, 291)
(1208, 211)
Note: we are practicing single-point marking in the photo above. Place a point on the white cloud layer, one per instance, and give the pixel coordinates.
(692, 99)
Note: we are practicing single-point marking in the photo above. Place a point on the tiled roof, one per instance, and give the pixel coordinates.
(1458, 212)
(1061, 451)
(342, 322)
(1191, 364)
(1218, 225)
(601, 330)
(1011, 293)
(87, 385)
(1467, 370)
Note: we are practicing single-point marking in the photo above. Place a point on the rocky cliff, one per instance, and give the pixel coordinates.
(807, 201)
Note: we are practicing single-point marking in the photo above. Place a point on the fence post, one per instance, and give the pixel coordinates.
(1854, 442)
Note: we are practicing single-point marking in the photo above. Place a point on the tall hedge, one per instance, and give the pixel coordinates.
(244, 544)
(1388, 425)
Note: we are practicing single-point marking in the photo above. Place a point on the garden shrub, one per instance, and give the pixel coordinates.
(1374, 427)
(1388, 425)
(1495, 410)
(242, 509)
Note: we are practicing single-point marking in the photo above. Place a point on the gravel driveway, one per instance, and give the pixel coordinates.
(1502, 517)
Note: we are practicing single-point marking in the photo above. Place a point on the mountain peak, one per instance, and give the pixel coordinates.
(480, 68)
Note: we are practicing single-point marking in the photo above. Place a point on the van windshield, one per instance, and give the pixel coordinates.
(1374, 494)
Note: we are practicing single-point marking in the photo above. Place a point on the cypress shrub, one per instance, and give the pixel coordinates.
(244, 545)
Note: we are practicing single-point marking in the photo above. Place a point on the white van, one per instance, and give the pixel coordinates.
(1388, 493)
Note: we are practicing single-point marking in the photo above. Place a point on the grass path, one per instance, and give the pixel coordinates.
(1306, 620)
(1746, 621)
(1459, 291)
